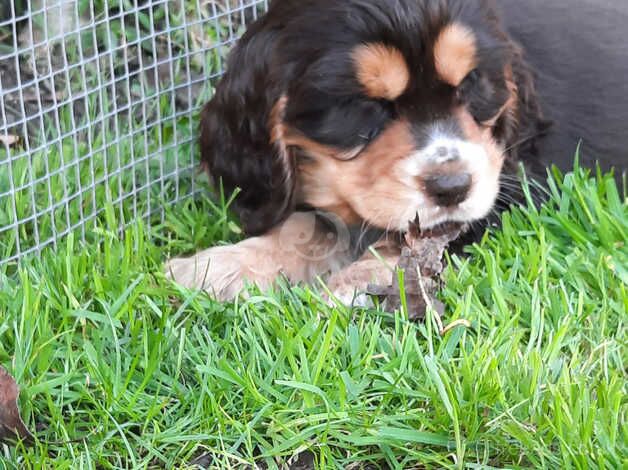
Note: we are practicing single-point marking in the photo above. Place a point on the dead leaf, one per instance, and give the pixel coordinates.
(11, 424)
(422, 265)
(9, 140)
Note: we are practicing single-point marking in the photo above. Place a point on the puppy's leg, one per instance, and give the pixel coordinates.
(350, 284)
(301, 248)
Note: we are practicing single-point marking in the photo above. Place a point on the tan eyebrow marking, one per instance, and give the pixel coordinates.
(455, 53)
(381, 70)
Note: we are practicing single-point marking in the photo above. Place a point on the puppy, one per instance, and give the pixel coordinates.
(342, 120)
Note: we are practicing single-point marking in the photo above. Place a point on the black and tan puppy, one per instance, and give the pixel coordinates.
(372, 111)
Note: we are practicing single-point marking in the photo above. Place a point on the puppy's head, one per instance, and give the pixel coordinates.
(378, 110)
(402, 110)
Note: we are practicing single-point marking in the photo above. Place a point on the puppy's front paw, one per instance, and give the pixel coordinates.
(350, 284)
(222, 271)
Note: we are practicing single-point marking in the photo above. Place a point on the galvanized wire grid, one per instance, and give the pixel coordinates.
(98, 109)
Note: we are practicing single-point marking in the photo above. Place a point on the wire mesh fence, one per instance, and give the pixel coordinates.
(98, 109)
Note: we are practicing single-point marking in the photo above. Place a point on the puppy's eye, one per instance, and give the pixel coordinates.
(389, 113)
(468, 84)
(370, 135)
(367, 138)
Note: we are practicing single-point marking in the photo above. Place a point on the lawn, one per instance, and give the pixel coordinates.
(121, 368)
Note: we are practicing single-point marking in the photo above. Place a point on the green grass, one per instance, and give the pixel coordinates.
(133, 372)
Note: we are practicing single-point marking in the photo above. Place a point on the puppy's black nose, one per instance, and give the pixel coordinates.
(448, 190)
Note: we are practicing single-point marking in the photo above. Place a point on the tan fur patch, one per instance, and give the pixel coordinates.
(382, 70)
(277, 138)
(313, 175)
(455, 53)
(276, 122)
(368, 187)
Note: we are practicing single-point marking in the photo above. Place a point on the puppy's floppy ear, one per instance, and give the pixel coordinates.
(525, 124)
(237, 145)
